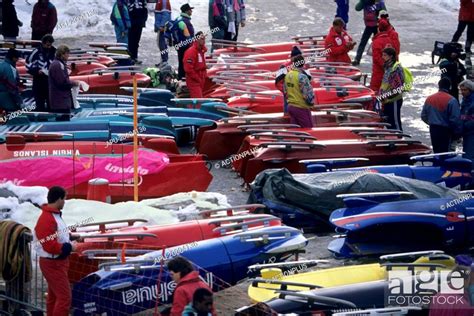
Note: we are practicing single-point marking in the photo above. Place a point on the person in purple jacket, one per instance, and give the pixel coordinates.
(60, 95)
(371, 13)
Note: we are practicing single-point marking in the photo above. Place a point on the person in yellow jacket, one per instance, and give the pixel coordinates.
(299, 94)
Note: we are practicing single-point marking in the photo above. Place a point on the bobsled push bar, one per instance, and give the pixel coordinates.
(291, 145)
(282, 136)
(239, 222)
(288, 264)
(347, 114)
(233, 210)
(392, 143)
(195, 100)
(375, 195)
(107, 45)
(431, 157)
(103, 225)
(362, 124)
(233, 111)
(381, 311)
(120, 236)
(312, 299)
(280, 232)
(283, 284)
(250, 127)
(411, 254)
(276, 132)
(114, 254)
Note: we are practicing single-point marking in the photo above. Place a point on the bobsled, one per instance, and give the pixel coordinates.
(303, 42)
(258, 137)
(172, 179)
(446, 169)
(271, 101)
(272, 277)
(289, 154)
(372, 226)
(136, 285)
(104, 243)
(225, 137)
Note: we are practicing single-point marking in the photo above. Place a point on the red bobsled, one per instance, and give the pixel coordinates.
(307, 42)
(173, 179)
(259, 136)
(110, 81)
(225, 138)
(314, 54)
(271, 101)
(289, 154)
(239, 85)
(98, 244)
(77, 68)
(274, 65)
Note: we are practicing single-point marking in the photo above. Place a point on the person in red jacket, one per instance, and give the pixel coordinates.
(381, 41)
(391, 32)
(338, 43)
(466, 18)
(44, 19)
(195, 66)
(53, 246)
(187, 282)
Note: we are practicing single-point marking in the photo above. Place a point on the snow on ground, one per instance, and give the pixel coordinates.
(85, 17)
(167, 210)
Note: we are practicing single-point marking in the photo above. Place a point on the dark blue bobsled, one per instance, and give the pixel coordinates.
(124, 289)
(446, 169)
(371, 226)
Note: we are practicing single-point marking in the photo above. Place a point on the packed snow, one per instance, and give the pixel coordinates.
(171, 209)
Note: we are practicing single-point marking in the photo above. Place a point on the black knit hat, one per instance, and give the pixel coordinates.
(295, 51)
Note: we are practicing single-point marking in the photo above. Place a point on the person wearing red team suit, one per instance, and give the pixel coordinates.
(381, 41)
(392, 33)
(338, 43)
(195, 66)
(53, 246)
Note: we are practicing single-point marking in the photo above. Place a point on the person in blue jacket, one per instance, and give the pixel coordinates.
(441, 112)
(138, 12)
(467, 117)
(10, 99)
(121, 21)
(343, 11)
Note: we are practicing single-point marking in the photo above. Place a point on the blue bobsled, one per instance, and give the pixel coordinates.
(371, 226)
(446, 169)
(124, 289)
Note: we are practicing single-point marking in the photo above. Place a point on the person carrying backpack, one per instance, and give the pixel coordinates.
(162, 16)
(371, 12)
(138, 16)
(392, 88)
(121, 20)
(185, 33)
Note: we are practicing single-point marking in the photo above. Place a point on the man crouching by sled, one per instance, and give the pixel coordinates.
(195, 66)
(53, 246)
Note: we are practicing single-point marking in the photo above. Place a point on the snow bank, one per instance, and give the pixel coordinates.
(166, 210)
(88, 17)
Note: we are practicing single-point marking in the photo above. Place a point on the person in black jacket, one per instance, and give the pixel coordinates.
(37, 65)
(452, 68)
(138, 15)
(10, 23)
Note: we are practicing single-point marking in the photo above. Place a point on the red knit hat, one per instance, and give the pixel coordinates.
(384, 25)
